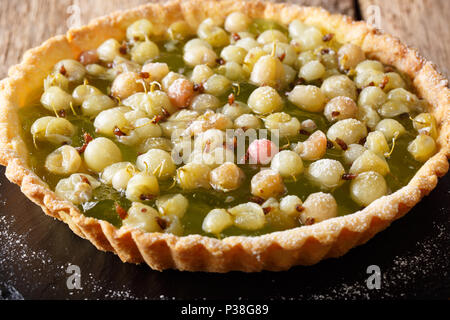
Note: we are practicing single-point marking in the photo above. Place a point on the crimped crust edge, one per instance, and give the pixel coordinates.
(305, 245)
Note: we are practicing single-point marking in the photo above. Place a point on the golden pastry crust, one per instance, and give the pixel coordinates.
(275, 251)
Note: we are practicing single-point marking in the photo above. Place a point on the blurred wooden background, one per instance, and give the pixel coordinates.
(419, 23)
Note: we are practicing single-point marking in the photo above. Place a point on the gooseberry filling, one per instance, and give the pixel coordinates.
(137, 131)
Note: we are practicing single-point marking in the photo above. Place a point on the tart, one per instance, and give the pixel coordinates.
(121, 129)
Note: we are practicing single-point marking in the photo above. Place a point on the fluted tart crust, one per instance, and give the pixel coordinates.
(304, 245)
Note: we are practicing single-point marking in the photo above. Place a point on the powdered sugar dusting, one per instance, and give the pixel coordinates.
(15, 251)
(18, 260)
(124, 293)
(405, 270)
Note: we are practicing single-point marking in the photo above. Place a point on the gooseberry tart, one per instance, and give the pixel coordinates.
(142, 131)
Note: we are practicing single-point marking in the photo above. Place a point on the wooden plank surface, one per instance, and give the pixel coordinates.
(422, 24)
(27, 23)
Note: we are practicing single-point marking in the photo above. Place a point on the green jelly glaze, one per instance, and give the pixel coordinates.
(173, 59)
(258, 26)
(102, 206)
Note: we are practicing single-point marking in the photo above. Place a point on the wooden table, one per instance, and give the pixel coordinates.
(419, 23)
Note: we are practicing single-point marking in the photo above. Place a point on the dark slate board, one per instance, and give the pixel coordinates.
(35, 251)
